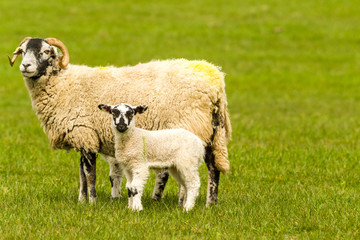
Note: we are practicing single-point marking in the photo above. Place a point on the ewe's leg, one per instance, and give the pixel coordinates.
(213, 177)
(137, 186)
(83, 184)
(162, 177)
(89, 167)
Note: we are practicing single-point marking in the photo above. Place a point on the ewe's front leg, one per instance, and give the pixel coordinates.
(162, 176)
(83, 184)
(88, 171)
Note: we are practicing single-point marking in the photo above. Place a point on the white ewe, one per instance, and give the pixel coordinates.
(181, 93)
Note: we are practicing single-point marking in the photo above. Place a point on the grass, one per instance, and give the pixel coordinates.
(294, 97)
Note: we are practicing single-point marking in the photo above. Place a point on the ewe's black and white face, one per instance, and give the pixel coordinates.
(37, 55)
(122, 114)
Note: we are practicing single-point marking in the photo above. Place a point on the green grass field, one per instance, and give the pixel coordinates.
(293, 86)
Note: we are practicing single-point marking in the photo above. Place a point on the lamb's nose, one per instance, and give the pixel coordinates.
(26, 65)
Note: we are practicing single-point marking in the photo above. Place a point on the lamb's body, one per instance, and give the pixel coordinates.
(178, 150)
(183, 94)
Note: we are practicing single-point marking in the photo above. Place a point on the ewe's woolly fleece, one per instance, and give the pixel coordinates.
(179, 94)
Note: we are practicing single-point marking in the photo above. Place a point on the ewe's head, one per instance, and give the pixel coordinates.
(38, 54)
(122, 114)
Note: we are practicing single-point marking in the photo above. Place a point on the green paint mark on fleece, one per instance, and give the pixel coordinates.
(144, 148)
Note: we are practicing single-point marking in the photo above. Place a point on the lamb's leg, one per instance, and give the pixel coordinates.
(115, 179)
(129, 178)
(182, 195)
(135, 189)
(89, 167)
(192, 185)
(115, 176)
(180, 180)
(162, 177)
(213, 177)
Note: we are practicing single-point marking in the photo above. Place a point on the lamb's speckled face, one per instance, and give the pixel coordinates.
(122, 114)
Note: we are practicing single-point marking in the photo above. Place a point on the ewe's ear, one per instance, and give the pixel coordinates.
(140, 109)
(53, 51)
(105, 108)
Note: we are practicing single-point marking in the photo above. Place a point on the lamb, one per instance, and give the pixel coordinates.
(137, 150)
(181, 93)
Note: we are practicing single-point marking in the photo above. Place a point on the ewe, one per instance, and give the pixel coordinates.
(181, 93)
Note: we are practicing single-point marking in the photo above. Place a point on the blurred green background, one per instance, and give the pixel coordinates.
(293, 89)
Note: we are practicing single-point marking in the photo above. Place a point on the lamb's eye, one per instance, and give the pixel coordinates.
(47, 51)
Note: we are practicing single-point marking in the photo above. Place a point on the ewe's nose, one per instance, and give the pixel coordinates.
(26, 65)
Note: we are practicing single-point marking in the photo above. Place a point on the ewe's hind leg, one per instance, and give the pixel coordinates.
(88, 169)
(162, 177)
(213, 177)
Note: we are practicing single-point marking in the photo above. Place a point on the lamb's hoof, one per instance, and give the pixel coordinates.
(187, 208)
(137, 209)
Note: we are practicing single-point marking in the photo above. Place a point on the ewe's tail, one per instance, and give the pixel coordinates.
(221, 121)
(222, 134)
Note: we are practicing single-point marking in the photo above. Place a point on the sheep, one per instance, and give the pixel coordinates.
(182, 94)
(137, 150)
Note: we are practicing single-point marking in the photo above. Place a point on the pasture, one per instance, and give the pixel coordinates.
(293, 87)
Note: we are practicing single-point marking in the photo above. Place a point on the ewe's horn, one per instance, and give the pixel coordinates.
(17, 52)
(64, 60)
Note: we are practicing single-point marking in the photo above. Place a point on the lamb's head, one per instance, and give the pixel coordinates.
(123, 114)
(38, 55)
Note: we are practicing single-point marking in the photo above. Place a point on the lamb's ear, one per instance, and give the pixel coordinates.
(105, 108)
(140, 109)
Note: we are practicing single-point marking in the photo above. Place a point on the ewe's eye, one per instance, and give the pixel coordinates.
(18, 51)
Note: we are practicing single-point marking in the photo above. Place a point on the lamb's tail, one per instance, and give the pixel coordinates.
(222, 134)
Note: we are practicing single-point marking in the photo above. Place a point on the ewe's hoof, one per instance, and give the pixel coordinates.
(92, 200)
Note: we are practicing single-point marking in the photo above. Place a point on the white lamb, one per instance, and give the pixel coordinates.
(137, 150)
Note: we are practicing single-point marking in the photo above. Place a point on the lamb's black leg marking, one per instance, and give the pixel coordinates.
(213, 177)
(83, 183)
(132, 192)
(89, 166)
(161, 179)
(111, 181)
